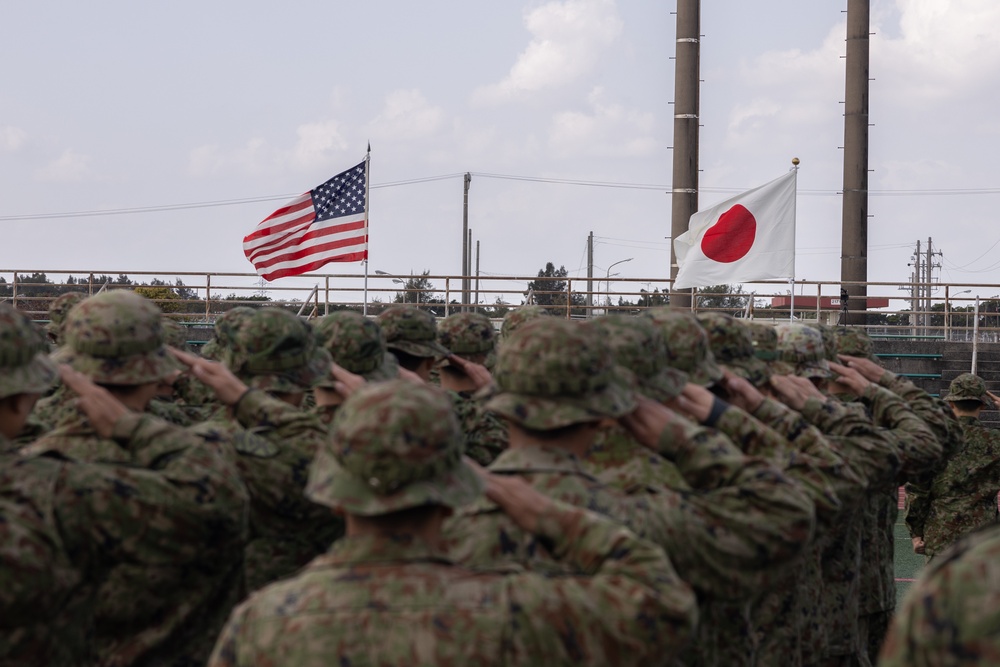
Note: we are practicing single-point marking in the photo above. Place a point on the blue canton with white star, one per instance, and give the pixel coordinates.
(344, 194)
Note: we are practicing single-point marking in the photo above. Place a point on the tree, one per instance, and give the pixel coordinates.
(551, 287)
(417, 290)
(723, 297)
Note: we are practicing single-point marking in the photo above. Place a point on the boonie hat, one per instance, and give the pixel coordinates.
(394, 445)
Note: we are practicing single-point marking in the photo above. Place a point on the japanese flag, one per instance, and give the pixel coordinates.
(746, 238)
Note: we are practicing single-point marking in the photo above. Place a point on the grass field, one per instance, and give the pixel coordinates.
(908, 564)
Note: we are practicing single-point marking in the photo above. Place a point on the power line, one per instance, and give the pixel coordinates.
(533, 179)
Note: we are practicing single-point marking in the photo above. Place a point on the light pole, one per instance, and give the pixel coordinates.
(398, 281)
(607, 281)
(947, 311)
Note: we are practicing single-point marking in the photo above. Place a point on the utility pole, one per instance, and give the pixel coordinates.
(477, 275)
(687, 86)
(854, 244)
(916, 293)
(465, 242)
(590, 275)
(929, 267)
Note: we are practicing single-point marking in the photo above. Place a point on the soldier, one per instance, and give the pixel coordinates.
(513, 320)
(388, 594)
(411, 335)
(616, 458)
(951, 615)
(903, 441)
(58, 310)
(556, 382)
(961, 495)
(471, 337)
(64, 525)
(116, 339)
(687, 345)
(275, 353)
(357, 344)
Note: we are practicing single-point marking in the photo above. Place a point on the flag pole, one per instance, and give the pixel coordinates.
(795, 201)
(368, 159)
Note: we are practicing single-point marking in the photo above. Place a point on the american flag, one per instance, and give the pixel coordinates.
(327, 224)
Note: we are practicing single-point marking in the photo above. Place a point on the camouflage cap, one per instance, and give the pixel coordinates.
(553, 373)
(732, 346)
(58, 310)
(800, 352)
(276, 351)
(394, 445)
(829, 339)
(637, 344)
(174, 333)
(855, 342)
(765, 340)
(356, 343)
(468, 335)
(411, 330)
(226, 326)
(116, 337)
(969, 387)
(687, 345)
(25, 367)
(517, 317)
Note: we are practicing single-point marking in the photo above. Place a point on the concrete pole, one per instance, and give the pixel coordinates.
(465, 242)
(854, 250)
(477, 275)
(687, 72)
(590, 275)
(929, 276)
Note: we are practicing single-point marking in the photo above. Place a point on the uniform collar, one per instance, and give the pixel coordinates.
(538, 459)
(371, 549)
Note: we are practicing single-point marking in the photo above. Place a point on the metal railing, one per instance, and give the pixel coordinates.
(201, 296)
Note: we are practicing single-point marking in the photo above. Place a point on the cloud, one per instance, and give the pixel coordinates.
(407, 115)
(568, 39)
(943, 47)
(608, 130)
(70, 166)
(210, 159)
(318, 144)
(12, 138)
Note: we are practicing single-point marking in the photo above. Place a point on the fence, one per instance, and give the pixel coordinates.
(954, 314)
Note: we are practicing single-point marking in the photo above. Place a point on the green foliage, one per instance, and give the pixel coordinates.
(417, 290)
(550, 289)
(722, 297)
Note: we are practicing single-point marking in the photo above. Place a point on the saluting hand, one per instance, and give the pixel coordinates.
(227, 387)
(103, 410)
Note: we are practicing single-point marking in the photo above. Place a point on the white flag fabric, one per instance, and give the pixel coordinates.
(746, 238)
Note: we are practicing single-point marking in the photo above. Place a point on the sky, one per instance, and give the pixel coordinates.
(111, 106)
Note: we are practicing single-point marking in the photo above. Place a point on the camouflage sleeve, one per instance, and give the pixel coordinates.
(191, 509)
(153, 440)
(278, 421)
(225, 652)
(866, 449)
(918, 507)
(721, 537)
(919, 449)
(628, 607)
(949, 616)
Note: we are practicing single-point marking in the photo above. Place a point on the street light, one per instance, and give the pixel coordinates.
(947, 312)
(398, 281)
(607, 280)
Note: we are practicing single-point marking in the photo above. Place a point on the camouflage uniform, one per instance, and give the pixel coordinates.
(357, 344)
(410, 330)
(856, 557)
(274, 442)
(397, 446)
(471, 336)
(961, 494)
(58, 310)
(114, 338)
(950, 616)
(616, 459)
(919, 451)
(745, 519)
(513, 320)
(787, 621)
(66, 527)
(687, 345)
